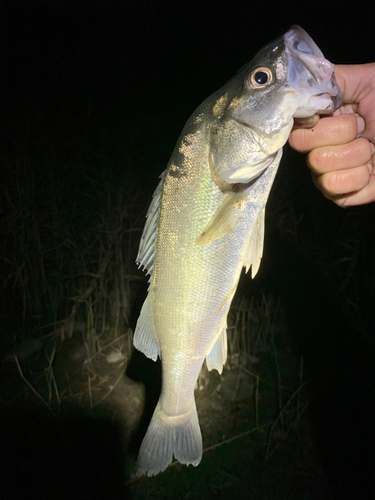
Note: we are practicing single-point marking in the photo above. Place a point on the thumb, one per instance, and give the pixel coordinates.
(357, 83)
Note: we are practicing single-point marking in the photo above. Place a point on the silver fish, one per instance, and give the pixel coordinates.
(206, 222)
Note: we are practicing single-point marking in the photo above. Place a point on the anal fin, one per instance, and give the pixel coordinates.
(254, 246)
(217, 357)
(144, 339)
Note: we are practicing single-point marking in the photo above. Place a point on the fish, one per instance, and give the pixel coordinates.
(205, 224)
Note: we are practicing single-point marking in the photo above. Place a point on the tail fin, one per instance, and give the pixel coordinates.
(167, 436)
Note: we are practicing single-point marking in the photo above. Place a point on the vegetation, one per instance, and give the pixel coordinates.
(79, 163)
(71, 228)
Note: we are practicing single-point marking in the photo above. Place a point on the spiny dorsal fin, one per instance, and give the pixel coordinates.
(146, 252)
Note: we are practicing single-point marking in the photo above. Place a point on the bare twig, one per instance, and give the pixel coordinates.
(109, 392)
(33, 390)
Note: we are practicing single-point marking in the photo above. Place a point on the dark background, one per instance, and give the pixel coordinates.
(115, 77)
(143, 66)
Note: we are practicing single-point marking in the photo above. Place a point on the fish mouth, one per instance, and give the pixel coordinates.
(319, 104)
(310, 73)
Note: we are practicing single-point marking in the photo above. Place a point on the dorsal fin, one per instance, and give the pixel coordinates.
(146, 252)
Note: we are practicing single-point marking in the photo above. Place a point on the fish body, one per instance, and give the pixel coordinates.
(206, 222)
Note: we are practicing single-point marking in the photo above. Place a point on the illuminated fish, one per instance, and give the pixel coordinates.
(206, 222)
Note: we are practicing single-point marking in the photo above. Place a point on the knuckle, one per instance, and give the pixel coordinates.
(345, 181)
(347, 128)
(320, 159)
(329, 183)
(365, 176)
(363, 150)
(300, 140)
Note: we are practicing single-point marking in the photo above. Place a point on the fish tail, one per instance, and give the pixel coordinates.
(167, 436)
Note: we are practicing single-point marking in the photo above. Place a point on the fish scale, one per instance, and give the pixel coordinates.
(206, 222)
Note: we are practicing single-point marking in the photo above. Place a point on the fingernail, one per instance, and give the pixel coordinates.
(369, 165)
(360, 125)
(372, 148)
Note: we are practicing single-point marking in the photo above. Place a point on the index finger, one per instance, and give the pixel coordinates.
(329, 131)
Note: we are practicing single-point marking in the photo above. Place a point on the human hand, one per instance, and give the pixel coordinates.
(341, 147)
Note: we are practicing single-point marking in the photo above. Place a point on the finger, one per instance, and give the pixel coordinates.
(330, 158)
(354, 80)
(362, 197)
(346, 108)
(357, 82)
(329, 131)
(342, 182)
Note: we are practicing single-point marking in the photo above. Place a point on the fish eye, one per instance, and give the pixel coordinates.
(259, 78)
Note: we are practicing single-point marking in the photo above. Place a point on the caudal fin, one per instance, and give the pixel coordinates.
(167, 436)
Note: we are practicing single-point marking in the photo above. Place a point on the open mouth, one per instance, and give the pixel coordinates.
(308, 70)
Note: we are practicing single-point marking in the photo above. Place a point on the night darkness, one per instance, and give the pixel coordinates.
(106, 86)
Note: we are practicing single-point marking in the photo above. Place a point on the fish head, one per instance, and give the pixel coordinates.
(254, 113)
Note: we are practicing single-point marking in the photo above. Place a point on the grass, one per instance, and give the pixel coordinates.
(74, 274)
(71, 223)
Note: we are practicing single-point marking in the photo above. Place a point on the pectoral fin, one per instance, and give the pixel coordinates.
(224, 219)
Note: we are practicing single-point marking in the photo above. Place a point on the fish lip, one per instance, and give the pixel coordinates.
(302, 35)
(314, 63)
(338, 99)
(303, 52)
(334, 102)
